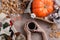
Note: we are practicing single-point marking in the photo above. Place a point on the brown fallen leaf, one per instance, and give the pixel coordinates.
(51, 35)
(57, 34)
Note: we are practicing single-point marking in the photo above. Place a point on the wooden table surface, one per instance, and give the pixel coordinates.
(45, 26)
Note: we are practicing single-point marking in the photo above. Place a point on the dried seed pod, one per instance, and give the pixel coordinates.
(53, 27)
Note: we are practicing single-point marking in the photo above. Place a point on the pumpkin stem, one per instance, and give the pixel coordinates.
(45, 6)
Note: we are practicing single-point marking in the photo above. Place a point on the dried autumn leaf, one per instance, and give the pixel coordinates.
(57, 34)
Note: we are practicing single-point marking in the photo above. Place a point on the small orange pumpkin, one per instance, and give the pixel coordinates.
(42, 8)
